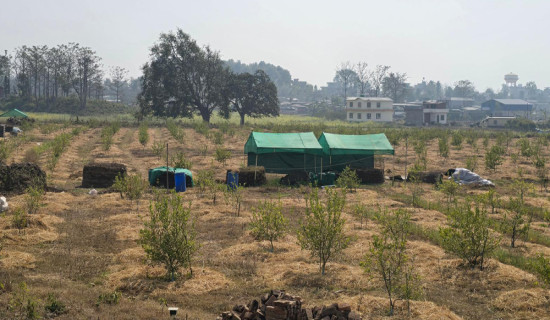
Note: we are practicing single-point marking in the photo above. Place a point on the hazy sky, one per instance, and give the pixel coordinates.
(444, 40)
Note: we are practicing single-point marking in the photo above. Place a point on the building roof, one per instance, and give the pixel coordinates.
(369, 99)
(512, 101)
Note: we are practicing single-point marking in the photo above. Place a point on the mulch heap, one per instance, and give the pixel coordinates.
(277, 305)
(101, 175)
(371, 175)
(432, 177)
(19, 176)
(252, 176)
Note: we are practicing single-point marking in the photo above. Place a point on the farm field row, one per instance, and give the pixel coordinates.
(80, 248)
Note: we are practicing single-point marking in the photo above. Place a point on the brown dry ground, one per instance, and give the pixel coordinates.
(79, 247)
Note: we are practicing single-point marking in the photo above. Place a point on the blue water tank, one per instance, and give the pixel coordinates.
(232, 180)
(179, 181)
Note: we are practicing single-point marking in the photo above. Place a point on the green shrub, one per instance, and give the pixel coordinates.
(143, 134)
(19, 219)
(180, 161)
(468, 235)
(348, 180)
(111, 298)
(268, 222)
(493, 157)
(158, 149)
(34, 196)
(218, 138)
(176, 132)
(53, 306)
(222, 155)
(169, 237)
(322, 230)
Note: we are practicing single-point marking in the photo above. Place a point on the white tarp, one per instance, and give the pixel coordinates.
(467, 177)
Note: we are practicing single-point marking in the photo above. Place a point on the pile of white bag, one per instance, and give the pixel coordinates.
(467, 177)
(3, 204)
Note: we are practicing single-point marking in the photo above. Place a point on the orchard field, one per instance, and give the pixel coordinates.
(82, 251)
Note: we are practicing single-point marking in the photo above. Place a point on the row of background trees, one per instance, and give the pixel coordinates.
(38, 76)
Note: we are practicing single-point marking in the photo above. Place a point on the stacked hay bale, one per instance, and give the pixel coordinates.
(252, 176)
(295, 177)
(101, 175)
(278, 305)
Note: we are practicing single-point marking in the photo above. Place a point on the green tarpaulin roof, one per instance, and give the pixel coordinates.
(14, 113)
(368, 144)
(303, 142)
(156, 172)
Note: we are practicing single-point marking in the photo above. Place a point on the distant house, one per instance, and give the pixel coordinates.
(429, 112)
(361, 109)
(495, 122)
(508, 108)
(459, 103)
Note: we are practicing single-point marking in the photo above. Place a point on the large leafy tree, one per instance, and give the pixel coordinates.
(182, 78)
(253, 95)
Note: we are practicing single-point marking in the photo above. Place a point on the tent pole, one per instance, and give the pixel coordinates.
(167, 176)
(255, 168)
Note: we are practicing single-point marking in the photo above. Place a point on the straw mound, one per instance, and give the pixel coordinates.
(17, 259)
(204, 280)
(373, 307)
(536, 299)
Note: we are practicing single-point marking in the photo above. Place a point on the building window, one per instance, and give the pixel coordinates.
(378, 104)
(378, 115)
(368, 104)
(351, 115)
(442, 117)
(495, 122)
(359, 115)
(358, 104)
(351, 104)
(368, 115)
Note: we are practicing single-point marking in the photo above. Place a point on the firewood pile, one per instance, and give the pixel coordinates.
(278, 305)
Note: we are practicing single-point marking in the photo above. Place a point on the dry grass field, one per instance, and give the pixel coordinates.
(79, 247)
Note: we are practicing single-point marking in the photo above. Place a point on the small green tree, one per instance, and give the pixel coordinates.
(143, 134)
(493, 157)
(490, 199)
(471, 163)
(158, 149)
(180, 161)
(468, 235)
(443, 144)
(450, 189)
(387, 257)
(169, 237)
(362, 212)
(348, 180)
(268, 222)
(34, 196)
(130, 186)
(23, 304)
(322, 230)
(222, 155)
(516, 222)
(234, 197)
(456, 140)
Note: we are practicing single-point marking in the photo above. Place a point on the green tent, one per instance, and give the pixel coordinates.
(283, 152)
(13, 113)
(355, 151)
(157, 176)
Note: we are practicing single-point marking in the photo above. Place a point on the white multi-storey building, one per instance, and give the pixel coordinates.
(360, 109)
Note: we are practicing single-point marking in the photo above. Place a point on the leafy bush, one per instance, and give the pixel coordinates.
(130, 186)
(143, 134)
(348, 180)
(176, 132)
(23, 304)
(179, 161)
(158, 149)
(222, 155)
(218, 138)
(468, 235)
(471, 163)
(19, 219)
(53, 306)
(322, 230)
(268, 222)
(387, 258)
(169, 237)
(34, 196)
(111, 298)
(493, 157)
(443, 145)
